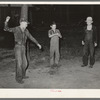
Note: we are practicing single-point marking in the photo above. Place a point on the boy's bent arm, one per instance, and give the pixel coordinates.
(6, 28)
(50, 36)
(59, 34)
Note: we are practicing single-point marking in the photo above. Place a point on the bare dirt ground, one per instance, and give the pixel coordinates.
(70, 75)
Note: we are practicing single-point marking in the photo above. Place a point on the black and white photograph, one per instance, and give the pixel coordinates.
(49, 46)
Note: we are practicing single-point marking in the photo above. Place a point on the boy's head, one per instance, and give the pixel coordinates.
(53, 25)
(23, 22)
(89, 20)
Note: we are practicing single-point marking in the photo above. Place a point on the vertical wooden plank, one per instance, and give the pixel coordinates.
(67, 14)
(92, 10)
(24, 11)
(24, 14)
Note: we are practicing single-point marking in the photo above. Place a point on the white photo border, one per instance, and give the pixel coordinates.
(51, 93)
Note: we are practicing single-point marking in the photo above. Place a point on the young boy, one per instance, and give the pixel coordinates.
(54, 34)
(21, 34)
(89, 41)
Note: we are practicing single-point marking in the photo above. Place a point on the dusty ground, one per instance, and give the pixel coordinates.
(68, 76)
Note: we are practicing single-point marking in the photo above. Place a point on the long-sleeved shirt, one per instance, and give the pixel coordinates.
(90, 35)
(20, 37)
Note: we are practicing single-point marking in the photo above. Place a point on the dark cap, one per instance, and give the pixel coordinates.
(53, 23)
(24, 20)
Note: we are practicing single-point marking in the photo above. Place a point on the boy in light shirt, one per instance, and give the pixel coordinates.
(54, 34)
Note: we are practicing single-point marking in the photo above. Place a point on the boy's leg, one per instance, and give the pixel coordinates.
(24, 63)
(57, 55)
(18, 57)
(51, 55)
(85, 55)
(92, 59)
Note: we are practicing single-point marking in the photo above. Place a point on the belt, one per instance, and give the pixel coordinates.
(19, 43)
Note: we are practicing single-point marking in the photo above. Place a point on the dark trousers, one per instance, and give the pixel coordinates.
(88, 50)
(21, 62)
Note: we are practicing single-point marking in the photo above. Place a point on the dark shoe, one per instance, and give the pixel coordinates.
(25, 77)
(83, 65)
(57, 65)
(20, 81)
(51, 72)
(91, 66)
(52, 66)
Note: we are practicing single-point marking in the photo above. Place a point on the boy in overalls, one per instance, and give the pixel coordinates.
(90, 42)
(54, 34)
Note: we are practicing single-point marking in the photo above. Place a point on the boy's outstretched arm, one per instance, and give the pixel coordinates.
(33, 39)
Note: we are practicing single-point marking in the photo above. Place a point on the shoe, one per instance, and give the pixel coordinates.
(91, 66)
(25, 77)
(83, 65)
(51, 72)
(52, 66)
(20, 81)
(59, 65)
(55, 65)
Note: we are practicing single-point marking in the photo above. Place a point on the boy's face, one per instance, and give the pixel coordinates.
(89, 22)
(24, 24)
(53, 27)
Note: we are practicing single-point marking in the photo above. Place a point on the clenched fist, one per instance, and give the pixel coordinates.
(39, 46)
(83, 43)
(95, 44)
(7, 18)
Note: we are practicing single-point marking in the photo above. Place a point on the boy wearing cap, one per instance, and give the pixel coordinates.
(20, 35)
(54, 34)
(90, 42)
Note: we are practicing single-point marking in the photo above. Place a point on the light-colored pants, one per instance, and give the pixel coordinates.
(54, 53)
(21, 61)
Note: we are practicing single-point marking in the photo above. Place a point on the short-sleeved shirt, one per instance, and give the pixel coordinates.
(54, 39)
